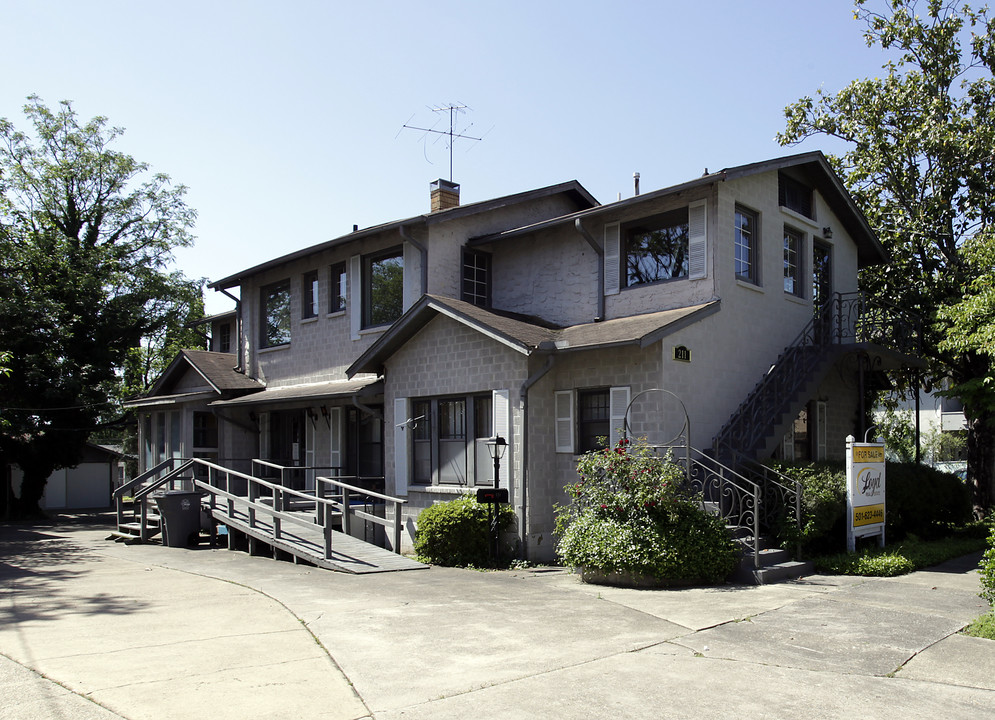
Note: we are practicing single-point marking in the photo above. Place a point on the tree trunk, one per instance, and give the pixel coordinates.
(32, 489)
(981, 461)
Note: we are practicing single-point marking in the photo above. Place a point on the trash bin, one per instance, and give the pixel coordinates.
(180, 513)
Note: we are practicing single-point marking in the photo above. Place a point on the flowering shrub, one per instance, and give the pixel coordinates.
(629, 513)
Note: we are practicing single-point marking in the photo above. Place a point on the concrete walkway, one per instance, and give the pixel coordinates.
(95, 629)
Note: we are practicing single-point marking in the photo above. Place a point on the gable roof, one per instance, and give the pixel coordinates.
(217, 370)
(529, 335)
(572, 189)
(814, 164)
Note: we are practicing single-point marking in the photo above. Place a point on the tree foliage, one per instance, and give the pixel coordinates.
(86, 235)
(921, 165)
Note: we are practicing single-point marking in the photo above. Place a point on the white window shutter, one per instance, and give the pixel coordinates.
(354, 284)
(402, 435)
(698, 239)
(613, 256)
(564, 411)
(788, 445)
(335, 442)
(500, 402)
(618, 403)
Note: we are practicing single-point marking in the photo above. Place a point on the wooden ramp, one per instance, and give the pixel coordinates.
(349, 554)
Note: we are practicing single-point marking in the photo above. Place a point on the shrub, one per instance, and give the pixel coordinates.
(630, 514)
(988, 570)
(458, 533)
(920, 501)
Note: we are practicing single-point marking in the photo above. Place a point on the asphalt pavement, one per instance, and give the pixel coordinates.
(91, 628)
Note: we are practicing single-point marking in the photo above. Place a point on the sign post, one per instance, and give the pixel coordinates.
(865, 491)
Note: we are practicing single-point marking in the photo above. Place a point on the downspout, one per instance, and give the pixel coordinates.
(403, 230)
(524, 401)
(599, 251)
(240, 366)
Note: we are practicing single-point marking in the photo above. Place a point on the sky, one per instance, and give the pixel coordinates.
(285, 119)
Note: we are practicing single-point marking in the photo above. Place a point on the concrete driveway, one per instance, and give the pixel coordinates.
(94, 629)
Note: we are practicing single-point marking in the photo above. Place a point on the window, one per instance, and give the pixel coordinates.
(657, 249)
(275, 321)
(746, 245)
(447, 440)
(583, 416)
(794, 195)
(593, 420)
(338, 287)
(205, 430)
(309, 295)
(792, 262)
(476, 278)
(224, 338)
(383, 288)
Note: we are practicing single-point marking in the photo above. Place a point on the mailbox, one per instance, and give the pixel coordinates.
(492, 495)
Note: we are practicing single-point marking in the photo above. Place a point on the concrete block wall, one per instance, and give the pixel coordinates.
(446, 358)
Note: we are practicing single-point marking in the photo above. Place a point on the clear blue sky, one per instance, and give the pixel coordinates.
(283, 118)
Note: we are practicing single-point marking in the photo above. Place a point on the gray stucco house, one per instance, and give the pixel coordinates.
(544, 317)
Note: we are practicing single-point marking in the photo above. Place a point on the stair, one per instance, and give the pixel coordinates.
(776, 565)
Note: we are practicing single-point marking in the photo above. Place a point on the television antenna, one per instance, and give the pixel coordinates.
(453, 110)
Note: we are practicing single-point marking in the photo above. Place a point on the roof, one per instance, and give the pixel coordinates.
(307, 392)
(571, 188)
(528, 335)
(217, 370)
(825, 179)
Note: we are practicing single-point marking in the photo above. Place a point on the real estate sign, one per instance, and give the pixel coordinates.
(865, 491)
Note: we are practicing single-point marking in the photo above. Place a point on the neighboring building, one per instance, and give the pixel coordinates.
(89, 485)
(397, 350)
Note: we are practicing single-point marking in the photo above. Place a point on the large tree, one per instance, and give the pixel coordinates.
(921, 164)
(86, 235)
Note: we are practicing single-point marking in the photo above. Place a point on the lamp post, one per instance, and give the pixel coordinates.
(496, 447)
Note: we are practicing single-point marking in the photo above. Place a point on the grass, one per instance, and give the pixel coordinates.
(898, 559)
(983, 627)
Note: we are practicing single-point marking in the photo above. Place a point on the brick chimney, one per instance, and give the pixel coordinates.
(445, 195)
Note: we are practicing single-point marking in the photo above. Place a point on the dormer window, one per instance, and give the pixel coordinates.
(794, 195)
(656, 248)
(476, 278)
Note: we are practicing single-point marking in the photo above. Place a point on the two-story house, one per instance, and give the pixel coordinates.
(546, 318)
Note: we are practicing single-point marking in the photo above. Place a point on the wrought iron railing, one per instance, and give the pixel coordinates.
(846, 319)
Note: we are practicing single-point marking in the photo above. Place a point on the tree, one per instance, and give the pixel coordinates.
(921, 165)
(86, 234)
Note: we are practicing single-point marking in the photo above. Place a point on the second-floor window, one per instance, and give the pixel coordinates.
(309, 295)
(383, 287)
(275, 320)
(476, 278)
(794, 195)
(746, 245)
(657, 248)
(792, 262)
(224, 338)
(338, 287)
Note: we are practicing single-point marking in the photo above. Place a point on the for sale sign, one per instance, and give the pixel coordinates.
(865, 476)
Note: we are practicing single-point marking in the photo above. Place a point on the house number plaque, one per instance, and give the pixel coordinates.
(682, 354)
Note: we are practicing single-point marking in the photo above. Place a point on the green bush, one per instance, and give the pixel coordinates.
(988, 570)
(458, 533)
(629, 514)
(920, 501)
(900, 558)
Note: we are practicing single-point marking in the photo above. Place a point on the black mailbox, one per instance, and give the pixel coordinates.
(492, 495)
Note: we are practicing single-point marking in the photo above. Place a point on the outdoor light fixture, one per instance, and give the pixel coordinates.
(496, 446)
(827, 232)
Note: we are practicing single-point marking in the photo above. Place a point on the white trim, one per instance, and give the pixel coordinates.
(613, 259)
(402, 437)
(442, 310)
(618, 403)
(698, 240)
(563, 411)
(335, 433)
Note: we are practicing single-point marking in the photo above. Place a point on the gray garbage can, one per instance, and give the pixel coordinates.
(180, 512)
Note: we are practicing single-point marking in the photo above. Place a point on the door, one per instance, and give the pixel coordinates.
(822, 289)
